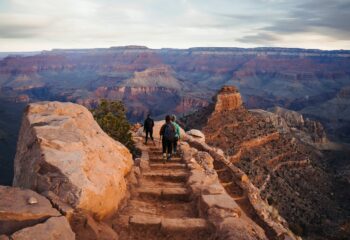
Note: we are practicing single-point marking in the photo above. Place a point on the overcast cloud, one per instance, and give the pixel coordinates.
(45, 24)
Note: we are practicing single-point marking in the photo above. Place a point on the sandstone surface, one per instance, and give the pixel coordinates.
(196, 134)
(16, 212)
(63, 150)
(55, 228)
(228, 99)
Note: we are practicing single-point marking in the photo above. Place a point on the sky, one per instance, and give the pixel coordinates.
(32, 25)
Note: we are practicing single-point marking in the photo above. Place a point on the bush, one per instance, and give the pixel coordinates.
(111, 117)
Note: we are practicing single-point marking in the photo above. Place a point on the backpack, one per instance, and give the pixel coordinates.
(169, 132)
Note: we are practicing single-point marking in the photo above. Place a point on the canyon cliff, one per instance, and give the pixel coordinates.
(277, 151)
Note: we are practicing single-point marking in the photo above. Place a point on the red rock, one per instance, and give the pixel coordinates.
(16, 213)
(55, 228)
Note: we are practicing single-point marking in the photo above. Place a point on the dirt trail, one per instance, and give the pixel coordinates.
(161, 206)
(228, 180)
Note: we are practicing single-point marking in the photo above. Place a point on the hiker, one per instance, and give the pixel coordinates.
(148, 127)
(177, 133)
(167, 134)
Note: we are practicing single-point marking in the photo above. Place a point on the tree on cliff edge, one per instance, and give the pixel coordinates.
(110, 115)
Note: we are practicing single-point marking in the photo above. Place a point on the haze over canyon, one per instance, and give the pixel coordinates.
(313, 82)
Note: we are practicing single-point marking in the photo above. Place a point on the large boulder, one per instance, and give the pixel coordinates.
(55, 228)
(20, 208)
(198, 135)
(63, 150)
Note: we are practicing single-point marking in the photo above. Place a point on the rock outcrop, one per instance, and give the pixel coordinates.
(25, 214)
(63, 150)
(286, 172)
(291, 122)
(228, 99)
(196, 134)
(52, 229)
(222, 211)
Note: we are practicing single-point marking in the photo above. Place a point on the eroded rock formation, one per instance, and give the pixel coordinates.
(287, 172)
(63, 150)
(290, 122)
(228, 99)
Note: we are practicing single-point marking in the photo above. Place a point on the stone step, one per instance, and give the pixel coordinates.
(184, 225)
(158, 151)
(171, 176)
(145, 221)
(164, 208)
(160, 184)
(149, 193)
(155, 149)
(159, 159)
(171, 165)
(181, 194)
(169, 224)
(169, 194)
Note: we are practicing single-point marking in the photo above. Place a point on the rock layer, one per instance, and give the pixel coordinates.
(63, 150)
(228, 99)
(54, 228)
(17, 211)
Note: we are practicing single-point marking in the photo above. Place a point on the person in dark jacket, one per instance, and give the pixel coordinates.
(148, 127)
(167, 134)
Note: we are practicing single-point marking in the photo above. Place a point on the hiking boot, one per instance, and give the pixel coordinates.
(164, 157)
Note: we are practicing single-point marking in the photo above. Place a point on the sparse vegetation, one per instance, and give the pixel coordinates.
(111, 116)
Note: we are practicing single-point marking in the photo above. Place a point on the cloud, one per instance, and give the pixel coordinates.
(267, 39)
(328, 18)
(22, 25)
(167, 23)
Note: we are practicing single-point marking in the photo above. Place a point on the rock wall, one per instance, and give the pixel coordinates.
(63, 150)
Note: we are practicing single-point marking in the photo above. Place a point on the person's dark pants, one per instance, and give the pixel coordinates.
(175, 144)
(150, 132)
(167, 146)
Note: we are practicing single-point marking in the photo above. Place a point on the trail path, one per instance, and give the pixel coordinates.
(161, 205)
(228, 180)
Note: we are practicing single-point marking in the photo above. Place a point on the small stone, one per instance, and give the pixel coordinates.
(244, 178)
(32, 200)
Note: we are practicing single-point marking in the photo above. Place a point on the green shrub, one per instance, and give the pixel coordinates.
(111, 116)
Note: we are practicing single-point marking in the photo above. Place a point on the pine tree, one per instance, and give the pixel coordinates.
(111, 116)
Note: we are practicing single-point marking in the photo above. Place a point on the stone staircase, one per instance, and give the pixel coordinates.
(161, 205)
